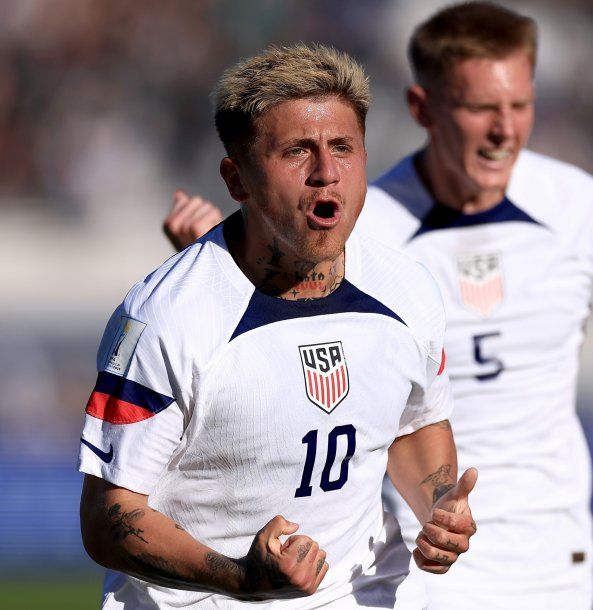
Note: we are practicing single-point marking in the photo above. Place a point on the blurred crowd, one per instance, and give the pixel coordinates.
(104, 111)
(103, 96)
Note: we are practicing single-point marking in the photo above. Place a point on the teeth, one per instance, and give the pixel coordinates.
(495, 155)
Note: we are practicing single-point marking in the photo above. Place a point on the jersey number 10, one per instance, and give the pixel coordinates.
(310, 439)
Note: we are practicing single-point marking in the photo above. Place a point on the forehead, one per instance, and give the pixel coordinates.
(487, 77)
(313, 117)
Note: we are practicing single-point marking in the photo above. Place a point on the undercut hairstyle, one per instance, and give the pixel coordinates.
(471, 30)
(279, 74)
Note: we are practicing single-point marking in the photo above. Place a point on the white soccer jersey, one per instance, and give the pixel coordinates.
(517, 285)
(227, 406)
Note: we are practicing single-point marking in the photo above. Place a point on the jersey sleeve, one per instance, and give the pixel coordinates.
(133, 423)
(430, 400)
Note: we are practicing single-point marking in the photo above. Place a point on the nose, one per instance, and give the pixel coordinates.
(324, 169)
(503, 127)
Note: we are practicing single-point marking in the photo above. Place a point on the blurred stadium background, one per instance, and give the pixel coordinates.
(104, 112)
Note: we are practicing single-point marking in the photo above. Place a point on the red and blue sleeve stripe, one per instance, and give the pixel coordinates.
(123, 401)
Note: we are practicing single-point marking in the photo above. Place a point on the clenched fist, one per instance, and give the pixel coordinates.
(276, 570)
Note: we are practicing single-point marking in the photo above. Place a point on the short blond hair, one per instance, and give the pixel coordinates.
(251, 87)
(469, 30)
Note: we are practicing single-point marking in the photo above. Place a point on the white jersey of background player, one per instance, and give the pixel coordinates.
(516, 273)
(220, 405)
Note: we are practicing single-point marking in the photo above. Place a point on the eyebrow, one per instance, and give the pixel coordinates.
(312, 142)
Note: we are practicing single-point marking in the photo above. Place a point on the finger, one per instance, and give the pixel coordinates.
(208, 214)
(428, 566)
(301, 548)
(179, 197)
(190, 208)
(442, 538)
(279, 526)
(203, 219)
(321, 567)
(433, 553)
(465, 484)
(458, 523)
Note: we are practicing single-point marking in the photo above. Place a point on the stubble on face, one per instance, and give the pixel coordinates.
(482, 115)
(307, 184)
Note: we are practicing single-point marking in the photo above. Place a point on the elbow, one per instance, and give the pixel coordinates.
(92, 533)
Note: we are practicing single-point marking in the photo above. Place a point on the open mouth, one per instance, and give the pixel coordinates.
(324, 210)
(323, 214)
(497, 154)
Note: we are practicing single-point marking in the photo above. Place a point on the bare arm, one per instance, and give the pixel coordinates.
(120, 531)
(423, 468)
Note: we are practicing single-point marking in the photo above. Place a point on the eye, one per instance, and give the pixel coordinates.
(342, 148)
(295, 151)
(477, 108)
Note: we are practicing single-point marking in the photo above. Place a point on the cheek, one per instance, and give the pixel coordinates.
(525, 125)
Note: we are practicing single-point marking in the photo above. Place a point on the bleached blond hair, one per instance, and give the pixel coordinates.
(251, 87)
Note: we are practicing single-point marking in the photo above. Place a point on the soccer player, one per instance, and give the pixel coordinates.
(508, 234)
(254, 389)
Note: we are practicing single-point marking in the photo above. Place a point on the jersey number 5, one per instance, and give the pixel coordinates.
(310, 439)
(494, 363)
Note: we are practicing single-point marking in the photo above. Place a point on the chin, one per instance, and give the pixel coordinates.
(491, 180)
(324, 247)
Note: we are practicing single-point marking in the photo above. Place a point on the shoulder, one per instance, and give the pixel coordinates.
(555, 192)
(395, 204)
(198, 290)
(403, 284)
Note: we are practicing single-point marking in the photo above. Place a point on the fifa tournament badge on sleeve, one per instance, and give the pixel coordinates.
(123, 345)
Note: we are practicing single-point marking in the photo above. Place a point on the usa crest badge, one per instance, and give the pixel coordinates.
(326, 374)
(480, 282)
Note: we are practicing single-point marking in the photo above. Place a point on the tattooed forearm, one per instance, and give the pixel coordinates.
(156, 566)
(122, 523)
(441, 491)
(219, 564)
(163, 571)
(441, 480)
(440, 476)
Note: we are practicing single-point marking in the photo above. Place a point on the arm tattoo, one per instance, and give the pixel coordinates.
(441, 481)
(441, 491)
(219, 563)
(122, 524)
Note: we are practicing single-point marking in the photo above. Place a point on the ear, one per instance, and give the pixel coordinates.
(229, 171)
(418, 105)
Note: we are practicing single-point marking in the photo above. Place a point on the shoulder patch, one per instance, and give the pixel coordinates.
(123, 345)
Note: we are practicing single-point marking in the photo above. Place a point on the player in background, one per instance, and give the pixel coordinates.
(508, 234)
(242, 396)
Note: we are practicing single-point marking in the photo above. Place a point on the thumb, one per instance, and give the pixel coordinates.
(466, 483)
(280, 526)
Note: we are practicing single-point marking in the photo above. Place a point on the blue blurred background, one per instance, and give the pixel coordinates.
(104, 112)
